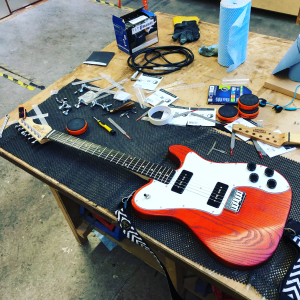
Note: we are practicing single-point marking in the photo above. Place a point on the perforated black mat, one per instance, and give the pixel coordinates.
(105, 184)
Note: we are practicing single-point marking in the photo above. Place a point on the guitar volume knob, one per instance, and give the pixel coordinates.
(251, 166)
(271, 183)
(253, 177)
(269, 172)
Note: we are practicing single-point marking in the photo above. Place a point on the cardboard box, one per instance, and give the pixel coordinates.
(136, 30)
(221, 94)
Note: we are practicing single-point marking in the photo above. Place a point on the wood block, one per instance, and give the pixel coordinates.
(289, 7)
(282, 84)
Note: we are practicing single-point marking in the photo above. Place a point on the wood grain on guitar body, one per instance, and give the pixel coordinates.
(236, 210)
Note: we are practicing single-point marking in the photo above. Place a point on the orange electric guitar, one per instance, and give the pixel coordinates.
(238, 211)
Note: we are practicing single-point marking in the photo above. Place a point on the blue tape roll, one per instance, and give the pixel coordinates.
(233, 32)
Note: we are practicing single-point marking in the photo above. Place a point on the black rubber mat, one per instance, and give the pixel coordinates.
(105, 185)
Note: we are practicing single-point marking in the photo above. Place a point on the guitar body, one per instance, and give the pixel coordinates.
(238, 221)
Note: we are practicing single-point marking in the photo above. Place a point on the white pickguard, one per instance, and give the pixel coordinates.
(205, 176)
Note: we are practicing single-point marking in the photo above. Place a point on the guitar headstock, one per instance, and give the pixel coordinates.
(37, 131)
(261, 134)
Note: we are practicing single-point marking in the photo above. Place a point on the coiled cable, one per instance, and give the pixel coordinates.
(154, 53)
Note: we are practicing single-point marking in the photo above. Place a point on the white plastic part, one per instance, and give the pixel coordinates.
(235, 81)
(141, 96)
(183, 87)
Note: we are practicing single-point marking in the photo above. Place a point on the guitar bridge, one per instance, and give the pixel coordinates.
(235, 201)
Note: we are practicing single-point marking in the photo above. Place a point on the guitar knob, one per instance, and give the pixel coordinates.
(253, 177)
(269, 172)
(271, 184)
(251, 166)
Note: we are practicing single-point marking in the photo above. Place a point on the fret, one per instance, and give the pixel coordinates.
(141, 166)
(82, 145)
(95, 150)
(114, 156)
(135, 164)
(153, 170)
(67, 139)
(168, 176)
(120, 158)
(58, 137)
(48, 136)
(74, 142)
(108, 154)
(102, 152)
(125, 161)
(131, 161)
(156, 173)
(161, 176)
(89, 147)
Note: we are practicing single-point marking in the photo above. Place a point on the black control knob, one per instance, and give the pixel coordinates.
(251, 166)
(271, 183)
(269, 172)
(253, 177)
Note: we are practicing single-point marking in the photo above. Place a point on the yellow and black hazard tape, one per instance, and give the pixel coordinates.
(112, 4)
(32, 82)
(17, 81)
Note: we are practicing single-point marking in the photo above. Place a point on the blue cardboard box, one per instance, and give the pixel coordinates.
(136, 30)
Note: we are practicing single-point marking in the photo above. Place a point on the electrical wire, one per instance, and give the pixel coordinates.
(279, 108)
(151, 54)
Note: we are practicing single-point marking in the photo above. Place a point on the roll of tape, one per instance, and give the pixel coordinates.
(163, 121)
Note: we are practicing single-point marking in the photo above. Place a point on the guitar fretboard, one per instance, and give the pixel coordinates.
(140, 166)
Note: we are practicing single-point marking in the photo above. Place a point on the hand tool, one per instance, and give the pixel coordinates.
(112, 132)
(127, 106)
(258, 148)
(213, 148)
(4, 124)
(118, 127)
(232, 142)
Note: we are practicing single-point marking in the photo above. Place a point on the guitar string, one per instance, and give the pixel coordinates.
(89, 144)
(117, 152)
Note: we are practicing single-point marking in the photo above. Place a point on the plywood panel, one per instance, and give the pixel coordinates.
(290, 7)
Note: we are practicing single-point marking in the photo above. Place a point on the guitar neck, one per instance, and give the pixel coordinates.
(292, 139)
(140, 166)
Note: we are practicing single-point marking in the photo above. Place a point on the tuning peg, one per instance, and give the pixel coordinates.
(30, 138)
(24, 133)
(34, 142)
(18, 125)
(21, 128)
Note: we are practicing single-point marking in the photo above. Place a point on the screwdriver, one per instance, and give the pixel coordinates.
(112, 132)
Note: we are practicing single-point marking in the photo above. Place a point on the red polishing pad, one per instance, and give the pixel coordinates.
(77, 126)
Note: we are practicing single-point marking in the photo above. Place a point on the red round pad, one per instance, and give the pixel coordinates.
(77, 126)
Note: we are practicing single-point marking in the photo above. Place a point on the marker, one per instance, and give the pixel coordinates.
(112, 132)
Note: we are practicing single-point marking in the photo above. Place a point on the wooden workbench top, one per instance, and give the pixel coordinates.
(264, 53)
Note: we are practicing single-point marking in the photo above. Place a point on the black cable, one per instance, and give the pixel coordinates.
(160, 52)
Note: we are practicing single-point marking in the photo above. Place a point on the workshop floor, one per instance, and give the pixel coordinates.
(39, 256)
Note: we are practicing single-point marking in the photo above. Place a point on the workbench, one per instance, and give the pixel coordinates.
(264, 52)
